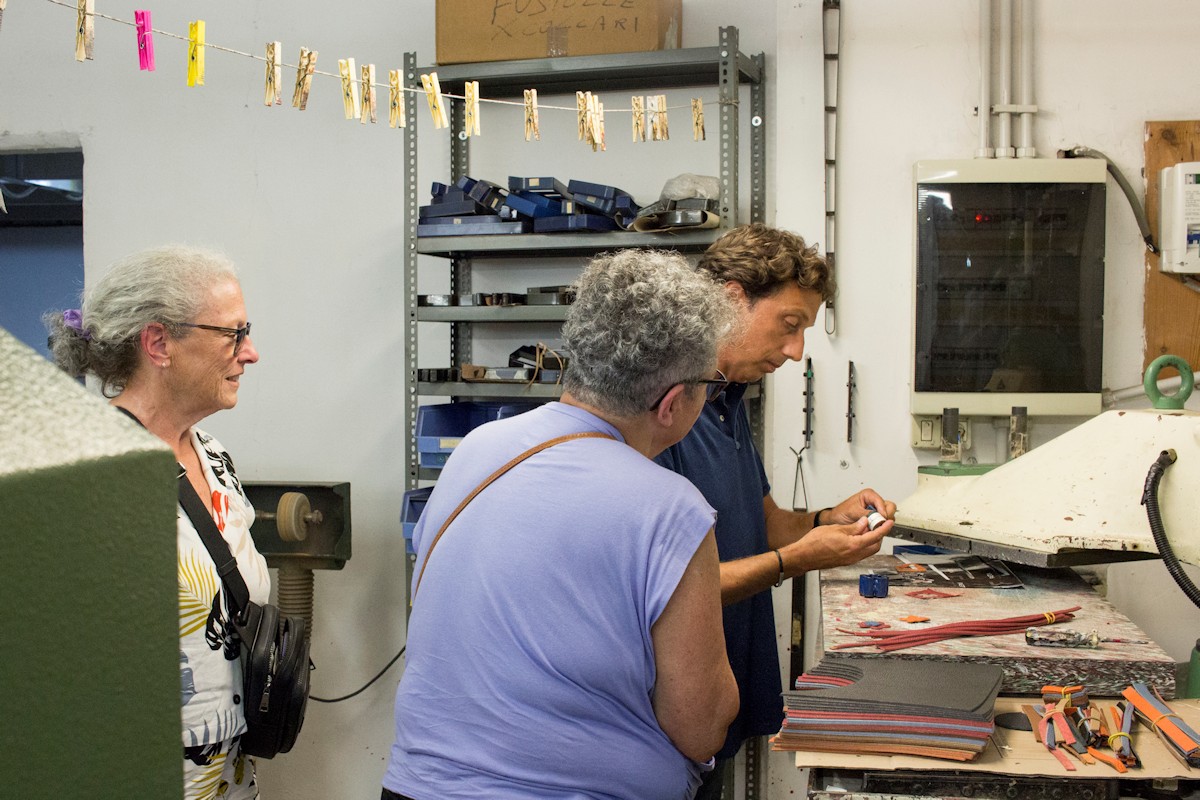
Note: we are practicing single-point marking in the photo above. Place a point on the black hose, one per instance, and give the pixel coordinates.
(1150, 500)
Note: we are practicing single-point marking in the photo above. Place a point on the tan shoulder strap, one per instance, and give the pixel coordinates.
(489, 479)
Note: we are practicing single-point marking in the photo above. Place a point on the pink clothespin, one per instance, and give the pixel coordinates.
(145, 40)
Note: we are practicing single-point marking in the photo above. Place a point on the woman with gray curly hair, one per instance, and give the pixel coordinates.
(165, 333)
(565, 636)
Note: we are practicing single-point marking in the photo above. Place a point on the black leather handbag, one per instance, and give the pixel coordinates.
(275, 648)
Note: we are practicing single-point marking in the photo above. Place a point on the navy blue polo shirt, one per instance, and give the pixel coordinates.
(718, 456)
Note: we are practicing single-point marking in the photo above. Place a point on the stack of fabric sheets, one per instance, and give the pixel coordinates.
(888, 706)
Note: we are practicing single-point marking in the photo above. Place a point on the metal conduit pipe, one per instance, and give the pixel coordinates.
(985, 81)
(1025, 148)
(1004, 74)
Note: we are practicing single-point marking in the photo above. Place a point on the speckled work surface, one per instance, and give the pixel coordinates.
(49, 420)
(1105, 671)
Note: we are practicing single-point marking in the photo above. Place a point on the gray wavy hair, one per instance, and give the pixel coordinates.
(164, 284)
(642, 321)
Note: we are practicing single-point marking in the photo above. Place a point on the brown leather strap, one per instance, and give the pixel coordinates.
(489, 479)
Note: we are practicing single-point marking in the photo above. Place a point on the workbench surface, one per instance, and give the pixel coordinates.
(1105, 670)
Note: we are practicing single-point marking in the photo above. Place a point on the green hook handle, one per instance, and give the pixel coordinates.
(1187, 381)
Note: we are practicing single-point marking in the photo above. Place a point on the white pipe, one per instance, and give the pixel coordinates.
(1114, 397)
(985, 80)
(1004, 71)
(1025, 148)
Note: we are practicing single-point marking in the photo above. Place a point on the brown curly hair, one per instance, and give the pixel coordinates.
(762, 258)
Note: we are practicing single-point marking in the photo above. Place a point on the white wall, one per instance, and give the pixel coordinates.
(309, 205)
(909, 84)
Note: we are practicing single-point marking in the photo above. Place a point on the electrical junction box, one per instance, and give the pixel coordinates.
(927, 433)
(1179, 218)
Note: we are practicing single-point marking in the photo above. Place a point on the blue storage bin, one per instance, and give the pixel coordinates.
(410, 512)
(441, 427)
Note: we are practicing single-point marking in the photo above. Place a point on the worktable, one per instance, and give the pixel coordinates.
(1105, 671)
(1013, 765)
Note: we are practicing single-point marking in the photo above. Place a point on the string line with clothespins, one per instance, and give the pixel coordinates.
(359, 88)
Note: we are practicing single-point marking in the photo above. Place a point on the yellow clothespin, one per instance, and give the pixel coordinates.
(349, 87)
(85, 33)
(581, 107)
(304, 73)
(697, 119)
(396, 110)
(368, 109)
(437, 106)
(471, 106)
(639, 118)
(273, 95)
(195, 69)
(531, 116)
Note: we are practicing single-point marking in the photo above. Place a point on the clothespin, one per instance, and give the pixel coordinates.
(531, 116)
(195, 69)
(304, 73)
(396, 110)
(437, 105)
(593, 121)
(145, 40)
(273, 95)
(581, 107)
(471, 108)
(368, 108)
(349, 87)
(3, 3)
(85, 33)
(697, 120)
(600, 123)
(658, 118)
(639, 118)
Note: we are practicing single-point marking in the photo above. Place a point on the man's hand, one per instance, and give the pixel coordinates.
(854, 508)
(834, 545)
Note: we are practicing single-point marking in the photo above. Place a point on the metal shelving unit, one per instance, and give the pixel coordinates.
(724, 65)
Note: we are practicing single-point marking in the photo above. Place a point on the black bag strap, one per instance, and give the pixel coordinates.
(214, 542)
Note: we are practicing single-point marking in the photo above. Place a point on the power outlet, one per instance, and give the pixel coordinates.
(927, 432)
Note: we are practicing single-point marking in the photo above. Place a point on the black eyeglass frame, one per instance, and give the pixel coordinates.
(239, 334)
(713, 387)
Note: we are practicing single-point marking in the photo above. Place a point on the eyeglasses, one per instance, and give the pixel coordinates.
(239, 334)
(714, 387)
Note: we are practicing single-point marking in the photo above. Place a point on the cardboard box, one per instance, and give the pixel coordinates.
(505, 30)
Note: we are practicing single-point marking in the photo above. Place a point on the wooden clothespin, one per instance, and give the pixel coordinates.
(368, 109)
(471, 107)
(145, 40)
(658, 118)
(600, 123)
(437, 105)
(273, 93)
(697, 119)
(532, 128)
(594, 133)
(581, 107)
(349, 87)
(195, 69)
(396, 110)
(85, 33)
(304, 73)
(639, 118)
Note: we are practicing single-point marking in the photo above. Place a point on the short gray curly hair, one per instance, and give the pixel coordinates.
(164, 284)
(642, 321)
